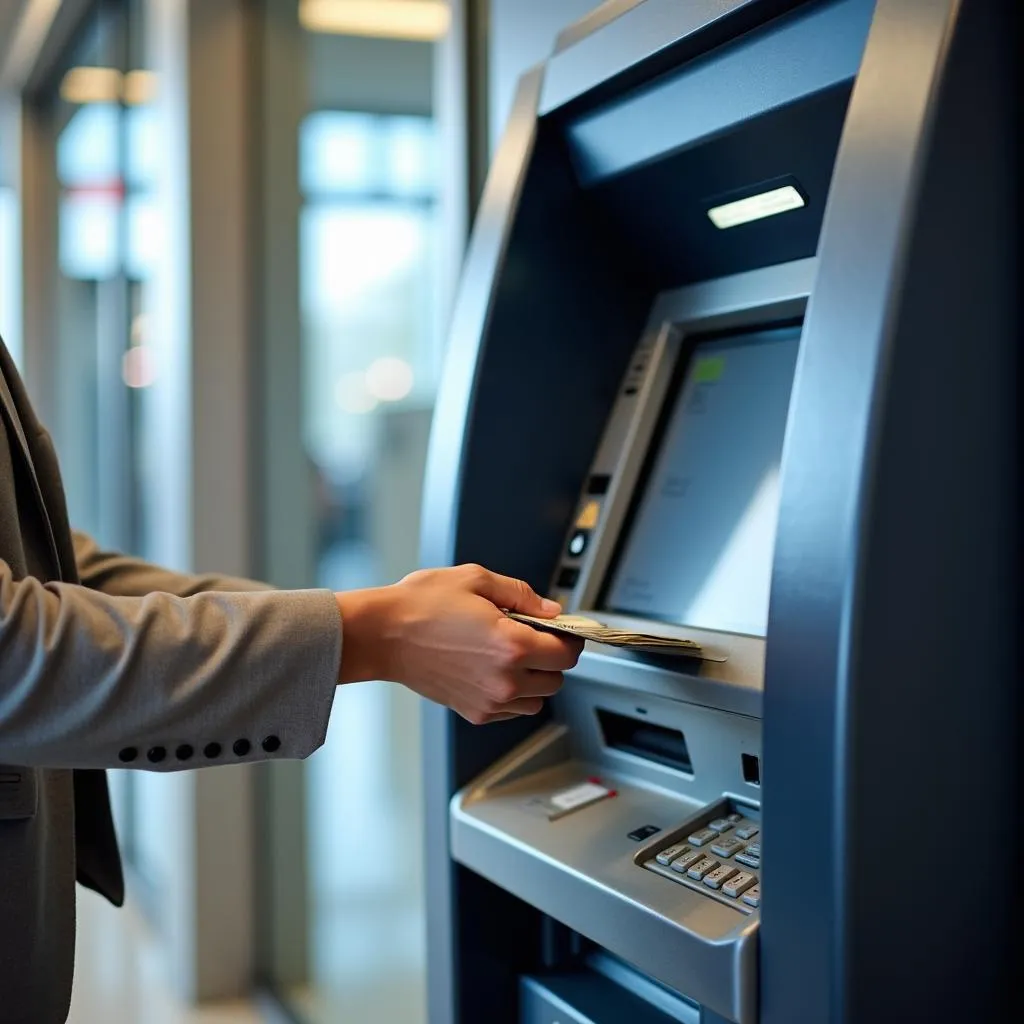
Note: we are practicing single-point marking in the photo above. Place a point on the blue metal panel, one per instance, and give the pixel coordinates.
(811, 50)
(612, 50)
(881, 548)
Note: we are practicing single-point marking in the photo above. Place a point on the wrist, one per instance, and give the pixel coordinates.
(364, 626)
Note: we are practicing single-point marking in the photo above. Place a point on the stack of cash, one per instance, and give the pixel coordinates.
(591, 629)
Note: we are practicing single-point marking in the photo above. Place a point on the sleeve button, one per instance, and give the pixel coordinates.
(128, 755)
(271, 744)
(212, 750)
(184, 752)
(156, 754)
(242, 747)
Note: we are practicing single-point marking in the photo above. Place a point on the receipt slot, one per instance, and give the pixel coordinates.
(722, 250)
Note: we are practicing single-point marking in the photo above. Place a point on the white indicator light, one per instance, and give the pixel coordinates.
(764, 204)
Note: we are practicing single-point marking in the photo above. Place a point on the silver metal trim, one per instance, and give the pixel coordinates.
(739, 300)
(643, 410)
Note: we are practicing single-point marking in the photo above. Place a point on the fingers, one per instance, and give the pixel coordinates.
(506, 592)
(514, 709)
(520, 692)
(535, 648)
(484, 719)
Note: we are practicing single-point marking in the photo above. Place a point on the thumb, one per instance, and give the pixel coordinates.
(515, 595)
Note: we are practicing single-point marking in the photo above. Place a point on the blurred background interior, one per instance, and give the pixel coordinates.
(229, 236)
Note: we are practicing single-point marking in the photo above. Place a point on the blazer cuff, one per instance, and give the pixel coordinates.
(307, 714)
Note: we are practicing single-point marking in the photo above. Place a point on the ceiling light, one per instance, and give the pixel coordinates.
(138, 367)
(389, 379)
(139, 87)
(107, 85)
(764, 204)
(351, 395)
(91, 85)
(425, 20)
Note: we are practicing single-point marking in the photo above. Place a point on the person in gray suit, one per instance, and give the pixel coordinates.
(106, 661)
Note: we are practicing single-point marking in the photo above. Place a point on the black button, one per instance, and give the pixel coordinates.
(242, 747)
(212, 750)
(598, 483)
(128, 755)
(638, 835)
(567, 577)
(156, 754)
(578, 543)
(184, 752)
(271, 744)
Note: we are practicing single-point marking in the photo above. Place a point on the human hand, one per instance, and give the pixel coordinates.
(442, 633)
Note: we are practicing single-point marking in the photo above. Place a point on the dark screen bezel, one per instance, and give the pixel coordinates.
(673, 395)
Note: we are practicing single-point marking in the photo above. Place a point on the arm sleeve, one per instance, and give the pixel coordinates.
(156, 679)
(124, 576)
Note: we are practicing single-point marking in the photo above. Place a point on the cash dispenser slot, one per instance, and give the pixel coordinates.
(645, 739)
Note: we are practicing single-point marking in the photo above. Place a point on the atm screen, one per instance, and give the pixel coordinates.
(697, 548)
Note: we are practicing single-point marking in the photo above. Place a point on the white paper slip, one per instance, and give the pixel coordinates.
(571, 798)
(576, 796)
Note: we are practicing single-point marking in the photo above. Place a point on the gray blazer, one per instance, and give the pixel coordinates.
(106, 661)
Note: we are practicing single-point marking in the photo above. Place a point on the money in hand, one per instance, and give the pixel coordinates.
(591, 629)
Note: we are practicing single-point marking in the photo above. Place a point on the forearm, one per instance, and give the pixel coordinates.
(125, 576)
(85, 677)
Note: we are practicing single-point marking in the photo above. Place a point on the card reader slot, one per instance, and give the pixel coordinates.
(645, 739)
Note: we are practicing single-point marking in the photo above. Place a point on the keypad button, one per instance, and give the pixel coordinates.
(754, 849)
(720, 824)
(733, 818)
(703, 837)
(156, 754)
(212, 750)
(747, 830)
(727, 846)
(714, 879)
(241, 747)
(184, 752)
(739, 884)
(747, 861)
(753, 896)
(272, 744)
(683, 863)
(670, 853)
(128, 754)
(702, 867)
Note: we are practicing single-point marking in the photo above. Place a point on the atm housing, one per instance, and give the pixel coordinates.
(594, 281)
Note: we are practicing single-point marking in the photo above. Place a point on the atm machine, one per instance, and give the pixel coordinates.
(734, 360)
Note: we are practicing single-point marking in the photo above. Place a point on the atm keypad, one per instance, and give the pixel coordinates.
(739, 884)
(724, 824)
(670, 854)
(727, 846)
(702, 867)
(721, 858)
(683, 863)
(703, 837)
(715, 879)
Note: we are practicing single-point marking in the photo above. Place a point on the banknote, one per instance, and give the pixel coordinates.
(592, 629)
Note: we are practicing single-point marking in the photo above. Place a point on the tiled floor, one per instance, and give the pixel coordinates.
(118, 975)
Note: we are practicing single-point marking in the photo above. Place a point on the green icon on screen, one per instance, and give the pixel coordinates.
(709, 369)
